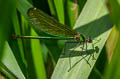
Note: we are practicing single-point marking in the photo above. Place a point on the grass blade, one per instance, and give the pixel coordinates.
(60, 10)
(113, 69)
(37, 58)
(34, 57)
(8, 60)
(94, 22)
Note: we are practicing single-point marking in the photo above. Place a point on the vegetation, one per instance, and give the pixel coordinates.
(44, 59)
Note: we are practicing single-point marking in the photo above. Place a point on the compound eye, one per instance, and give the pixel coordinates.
(89, 41)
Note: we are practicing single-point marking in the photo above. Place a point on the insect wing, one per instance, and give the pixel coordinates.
(47, 24)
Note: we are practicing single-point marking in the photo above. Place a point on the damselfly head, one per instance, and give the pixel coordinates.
(89, 40)
(77, 37)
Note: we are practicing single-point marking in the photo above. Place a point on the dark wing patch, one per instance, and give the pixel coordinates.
(47, 24)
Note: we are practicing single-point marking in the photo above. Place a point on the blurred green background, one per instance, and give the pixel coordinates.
(37, 59)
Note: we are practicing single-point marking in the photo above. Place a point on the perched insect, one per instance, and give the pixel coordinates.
(47, 24)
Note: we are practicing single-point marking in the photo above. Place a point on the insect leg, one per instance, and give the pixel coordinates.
(68, 42)
(93, 57)
(93, 46)
(86, 46)
(65, 47)
(97, 40)
(83, 46)
(72, 51)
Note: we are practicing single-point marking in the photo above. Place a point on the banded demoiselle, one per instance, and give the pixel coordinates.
(50, 26)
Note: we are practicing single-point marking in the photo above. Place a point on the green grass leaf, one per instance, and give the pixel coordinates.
(59, 5)
(9, 65)
(37, 58)
(94, 22)
(5, 20)
(113, 69)
(32, 51)
(52, 8)
(72, 10)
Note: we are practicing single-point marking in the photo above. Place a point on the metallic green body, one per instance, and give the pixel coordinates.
(47, 24)
(45, 37)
